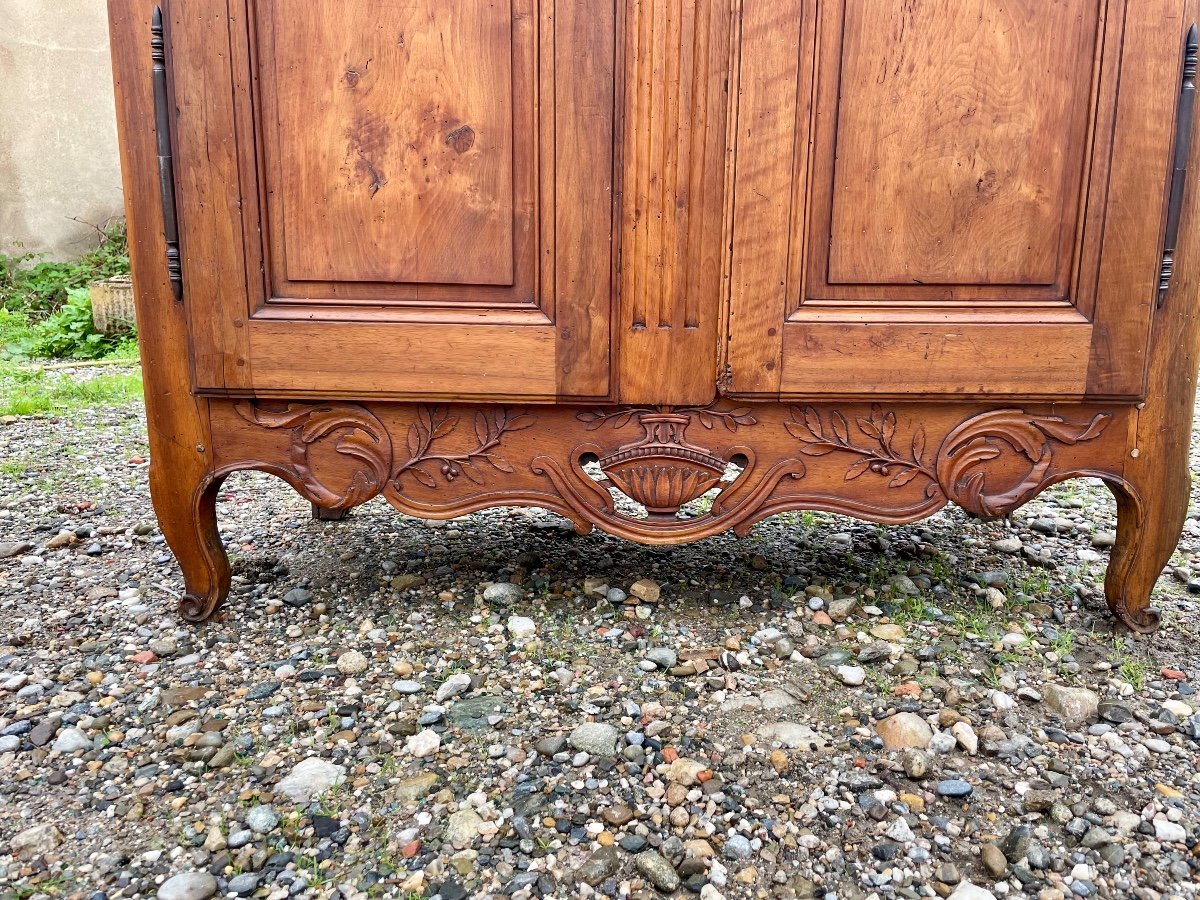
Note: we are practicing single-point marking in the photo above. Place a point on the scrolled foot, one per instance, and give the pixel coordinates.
(197, 610)
(1145, 620)
(1147, 532)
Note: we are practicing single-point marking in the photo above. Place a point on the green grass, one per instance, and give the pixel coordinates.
(909, 609)
(1134, 672)
(31, 393)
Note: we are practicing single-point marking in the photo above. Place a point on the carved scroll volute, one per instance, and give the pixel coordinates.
(662, 471)
(361, 439)
(969, 451)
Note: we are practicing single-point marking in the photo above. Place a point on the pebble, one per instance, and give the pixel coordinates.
(456, 684)
(262, 819)
(36, 840)
(660, 872)
(310, 778)
(917, 764)
(504, 594)
(968, 891)
(903, 731)
(954, 788)
(521, 628)
(71, 740)
(352, 662)
(1075, 705)
(1169, 832)
(737, 847)
(792, 735)
(188, 886)
(993, 860)
(424, 743)
(662, 657)
(852, 676)
(594, 738)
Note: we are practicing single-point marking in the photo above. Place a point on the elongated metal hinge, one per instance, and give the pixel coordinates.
(1183, 149)
(166, 164)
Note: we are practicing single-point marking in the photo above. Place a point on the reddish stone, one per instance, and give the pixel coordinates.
(860, 763)
(820, 617)
(144, 658)
(1174, 674)
(704, 776)
(908, 689)
(670, 754)
(408, 851)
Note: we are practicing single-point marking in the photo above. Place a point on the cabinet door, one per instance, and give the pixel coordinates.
(936, 200)
(396, 199)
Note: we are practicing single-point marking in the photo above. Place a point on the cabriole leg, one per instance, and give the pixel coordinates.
(324, 514)
(188, 517)
(1150, 518)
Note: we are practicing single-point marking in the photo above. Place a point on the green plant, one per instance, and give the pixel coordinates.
(45, 307)
(68, 333)
(909, 609)
(1063, 643)
(1134, 671)
(32, 286)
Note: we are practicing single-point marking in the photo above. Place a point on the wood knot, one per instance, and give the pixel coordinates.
(461, 139)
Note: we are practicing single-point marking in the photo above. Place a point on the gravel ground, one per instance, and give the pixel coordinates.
(498, 707)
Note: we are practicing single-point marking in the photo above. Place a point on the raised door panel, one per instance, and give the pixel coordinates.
(424, 194)
(956, 142)
(973, 201)
(393, 145)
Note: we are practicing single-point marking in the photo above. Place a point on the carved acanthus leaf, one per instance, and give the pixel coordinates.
(364, 438)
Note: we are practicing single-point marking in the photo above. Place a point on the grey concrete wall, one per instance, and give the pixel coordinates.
(58, 141)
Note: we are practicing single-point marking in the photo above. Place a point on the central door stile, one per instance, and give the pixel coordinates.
(672, 199)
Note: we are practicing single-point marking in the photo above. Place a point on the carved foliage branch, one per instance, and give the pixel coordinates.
(364, 438)
(427, 459)
(875, 443)
(732, 419)
(963, 463)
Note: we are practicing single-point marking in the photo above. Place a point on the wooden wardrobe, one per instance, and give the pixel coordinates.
(867, 256)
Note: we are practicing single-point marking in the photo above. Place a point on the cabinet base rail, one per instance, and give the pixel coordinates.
(670, 475)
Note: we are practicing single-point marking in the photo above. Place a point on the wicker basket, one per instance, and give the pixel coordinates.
(112, 305)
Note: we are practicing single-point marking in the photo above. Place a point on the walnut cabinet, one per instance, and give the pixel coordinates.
(865, 256)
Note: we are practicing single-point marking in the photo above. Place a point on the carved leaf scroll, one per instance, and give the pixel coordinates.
(967, 450)
(364, 439)
(960, 471)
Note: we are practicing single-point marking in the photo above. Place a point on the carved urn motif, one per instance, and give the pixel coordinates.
(663, 471)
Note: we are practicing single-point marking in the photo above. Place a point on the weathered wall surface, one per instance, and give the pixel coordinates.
(58, 141)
